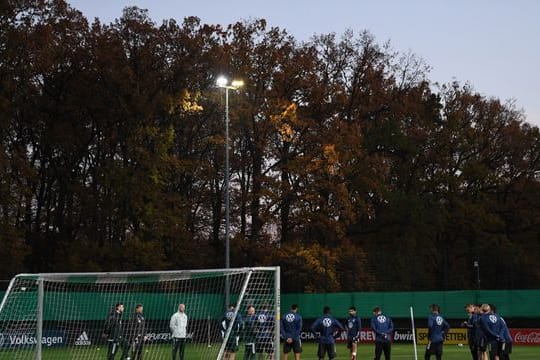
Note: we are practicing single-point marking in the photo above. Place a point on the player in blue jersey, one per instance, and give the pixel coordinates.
(471, 324)
(480, 337)
(249, 333)
(437, 330)
(494, 330)
(324, 326)
(506, 349)
(353, 325)
(265, 332)
(231, 346)
(291, 329)
(383, 327)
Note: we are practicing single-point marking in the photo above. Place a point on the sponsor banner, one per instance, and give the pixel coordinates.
(162, 337)
(26, 339)
(366, 336)
(83, 340)
(158, 337)
(525, 336)
(307, 335)
(454, 336)
(403, 335)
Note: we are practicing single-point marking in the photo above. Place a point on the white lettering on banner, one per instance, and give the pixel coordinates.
(158, 336)
(398, 336)
(530, 338)
(307, 335)
(83, 340)
(163, 336)
(366, 335)
(29, 340)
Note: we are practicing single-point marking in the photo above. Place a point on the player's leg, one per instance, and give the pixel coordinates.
(427, 354)
(378, 350)
(174, 348)
(233, 349)
(133, 348)
(111, 350)
(507, 351)
(482, 349)
(320, 351)
(438, 351)
(253, 351)
(297, 348)
(473, 348)
(387, 349)
(294, 346)
(271, 351)
(182, 348)
(331, 351)
(139, 350)
(287, 347)
(493, 350)
(354, 350)
(125, 350)
(249, 353)
(259, 349)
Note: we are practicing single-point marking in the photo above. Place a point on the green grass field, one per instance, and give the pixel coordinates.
(399, 351)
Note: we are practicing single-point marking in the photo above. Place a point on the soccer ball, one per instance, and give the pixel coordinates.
(460, 345)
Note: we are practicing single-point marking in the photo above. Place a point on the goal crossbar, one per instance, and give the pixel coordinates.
(68, 310)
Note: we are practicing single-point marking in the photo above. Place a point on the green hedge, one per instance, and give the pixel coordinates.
(510, 303)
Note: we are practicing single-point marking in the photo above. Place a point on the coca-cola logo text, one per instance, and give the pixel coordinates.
(531, 338)
(525, 336)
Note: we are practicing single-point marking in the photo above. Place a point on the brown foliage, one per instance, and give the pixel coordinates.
(348, 167)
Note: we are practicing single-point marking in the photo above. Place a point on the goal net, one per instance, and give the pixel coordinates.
(141, 315)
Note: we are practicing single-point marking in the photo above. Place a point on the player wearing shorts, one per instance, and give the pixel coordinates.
(291, 329)
(325, 326)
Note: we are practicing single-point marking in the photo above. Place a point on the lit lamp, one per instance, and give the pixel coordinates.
(223, 82)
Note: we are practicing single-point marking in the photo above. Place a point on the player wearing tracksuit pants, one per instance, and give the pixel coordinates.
(137, 333)
(115, 333)
(383, 327)
(472, 325)
(437, 330)
(249, 333)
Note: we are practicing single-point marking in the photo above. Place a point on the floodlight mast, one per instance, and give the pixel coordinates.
(223, 82)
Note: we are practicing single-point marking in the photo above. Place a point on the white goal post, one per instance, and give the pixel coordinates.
(130, 314)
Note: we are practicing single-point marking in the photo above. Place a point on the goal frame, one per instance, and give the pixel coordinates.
(42, 277)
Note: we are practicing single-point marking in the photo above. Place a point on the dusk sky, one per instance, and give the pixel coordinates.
(492, 44)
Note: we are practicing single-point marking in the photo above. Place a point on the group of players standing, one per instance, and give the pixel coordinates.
(129, 336)
(257, 332)
(325, 327)
(488, 334)
(256, 329)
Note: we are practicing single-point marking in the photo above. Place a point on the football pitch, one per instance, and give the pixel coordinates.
(365, 351)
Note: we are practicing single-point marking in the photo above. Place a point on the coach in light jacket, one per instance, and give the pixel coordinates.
(178, 326)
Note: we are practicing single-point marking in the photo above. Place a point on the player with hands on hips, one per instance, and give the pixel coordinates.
(383, 327)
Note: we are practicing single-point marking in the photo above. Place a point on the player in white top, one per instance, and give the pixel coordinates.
(178, 326)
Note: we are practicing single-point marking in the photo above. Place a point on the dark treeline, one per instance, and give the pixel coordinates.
(349, 168)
